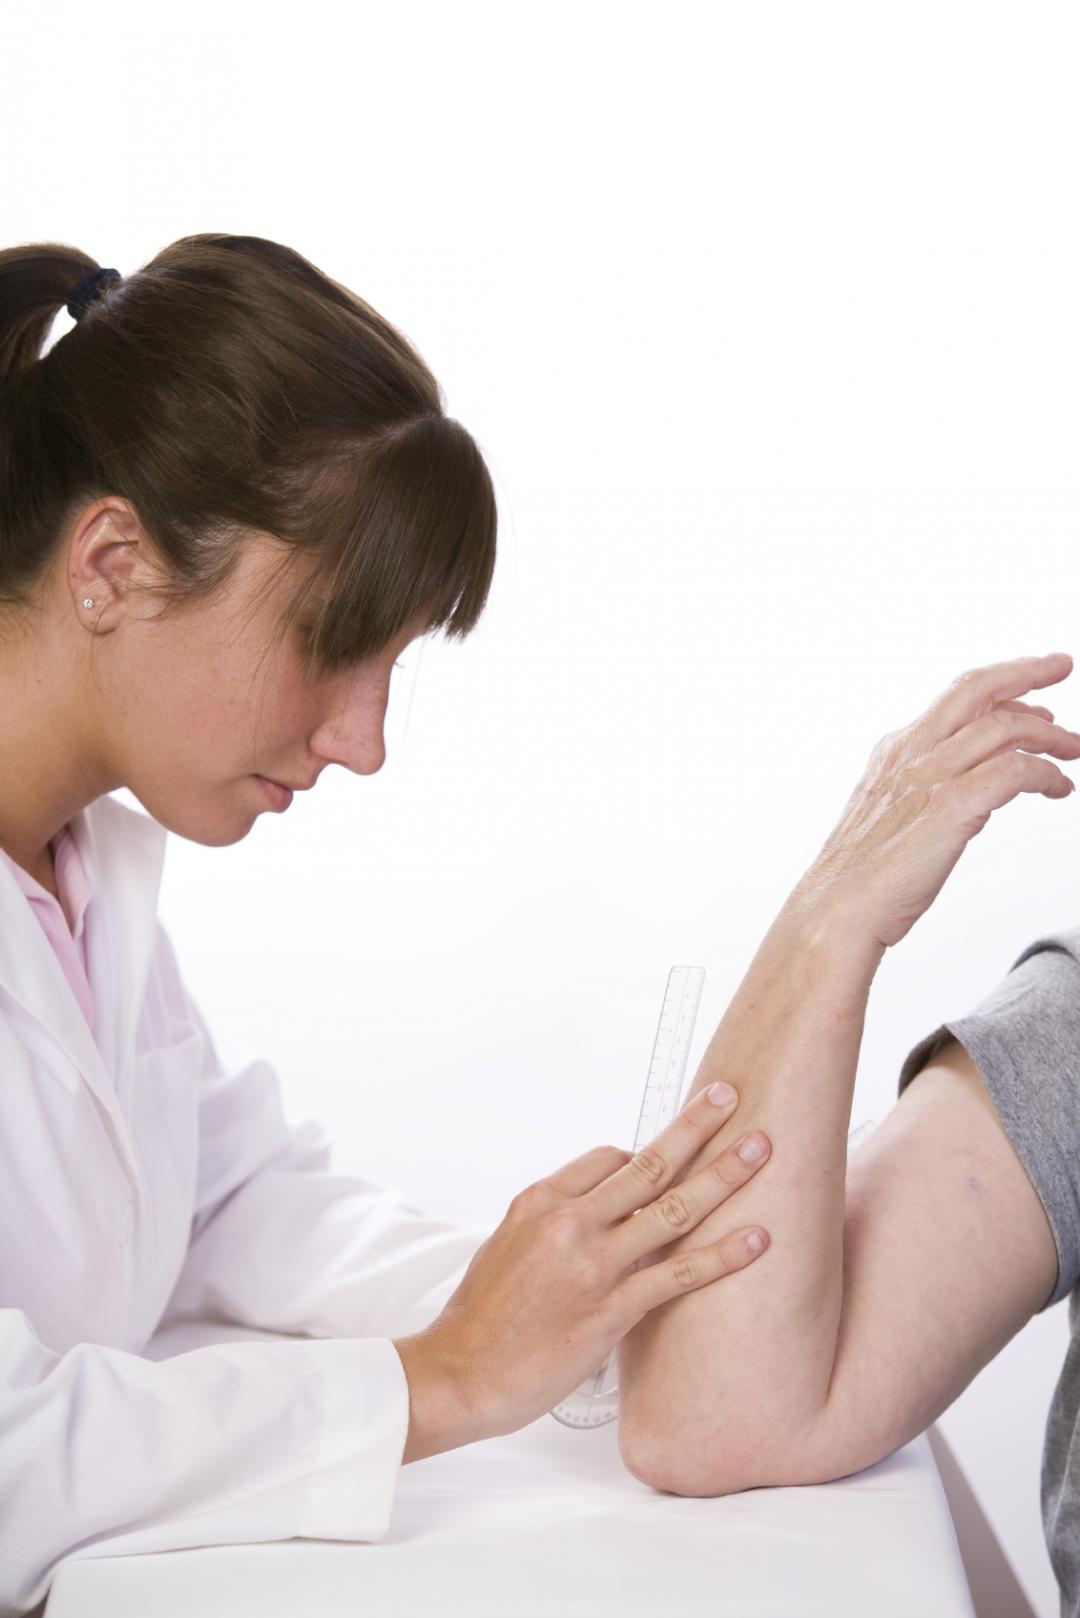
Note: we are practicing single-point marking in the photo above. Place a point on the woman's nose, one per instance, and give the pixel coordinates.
(353, 734)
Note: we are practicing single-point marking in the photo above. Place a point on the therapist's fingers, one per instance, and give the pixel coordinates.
(693, 1267)
(650, 1171)
(685, 1205)
(583, 1173)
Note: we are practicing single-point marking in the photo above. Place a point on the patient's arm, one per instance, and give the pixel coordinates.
(948, 1252)
(880, 1296)
(723, 1382)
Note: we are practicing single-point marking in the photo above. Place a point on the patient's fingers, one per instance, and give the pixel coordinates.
(977, 690)
(993, 732)
(1027, 707)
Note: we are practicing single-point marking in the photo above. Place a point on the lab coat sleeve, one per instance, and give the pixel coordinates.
(280, 1241)
(106, 1453)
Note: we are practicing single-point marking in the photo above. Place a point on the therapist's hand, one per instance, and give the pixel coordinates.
(930, 788)
(572, 1267)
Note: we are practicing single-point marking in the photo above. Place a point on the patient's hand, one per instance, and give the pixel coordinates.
(929, 788)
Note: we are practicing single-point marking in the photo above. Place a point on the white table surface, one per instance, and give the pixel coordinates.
(548, 1520)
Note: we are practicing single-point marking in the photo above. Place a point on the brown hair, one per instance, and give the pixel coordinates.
(228, 386)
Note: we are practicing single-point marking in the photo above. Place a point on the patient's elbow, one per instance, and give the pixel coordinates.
(728, 1471)
(646, 1460)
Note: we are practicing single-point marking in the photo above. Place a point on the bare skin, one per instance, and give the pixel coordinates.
(183, 710)
(860, 1326)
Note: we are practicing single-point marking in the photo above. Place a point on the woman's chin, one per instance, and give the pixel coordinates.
(229, 823)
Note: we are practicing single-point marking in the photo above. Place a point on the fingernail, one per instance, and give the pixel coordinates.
(752, 1149)
(721, 1095)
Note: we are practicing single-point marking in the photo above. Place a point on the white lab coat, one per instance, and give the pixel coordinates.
(151, 1174)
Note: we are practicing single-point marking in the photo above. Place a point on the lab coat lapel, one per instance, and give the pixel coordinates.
(123, 852)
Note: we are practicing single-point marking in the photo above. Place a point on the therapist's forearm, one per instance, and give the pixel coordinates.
(718, 1388)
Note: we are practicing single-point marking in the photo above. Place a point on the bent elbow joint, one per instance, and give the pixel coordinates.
(647, 1461)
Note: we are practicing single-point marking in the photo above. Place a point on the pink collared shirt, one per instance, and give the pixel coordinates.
(64, 928)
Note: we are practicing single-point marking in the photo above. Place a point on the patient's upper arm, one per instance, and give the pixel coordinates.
(948, 1252)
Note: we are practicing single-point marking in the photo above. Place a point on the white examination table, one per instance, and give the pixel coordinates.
(548, 1521)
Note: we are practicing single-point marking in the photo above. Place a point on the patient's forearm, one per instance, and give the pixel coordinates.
(716, 1387)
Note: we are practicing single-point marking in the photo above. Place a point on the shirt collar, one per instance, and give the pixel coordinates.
(72, 879)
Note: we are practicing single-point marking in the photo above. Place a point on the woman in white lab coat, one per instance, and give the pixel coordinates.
(229, 498)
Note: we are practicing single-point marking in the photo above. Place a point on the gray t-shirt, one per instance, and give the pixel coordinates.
(1024, 1038)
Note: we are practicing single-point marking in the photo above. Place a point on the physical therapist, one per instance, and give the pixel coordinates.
(229, 499)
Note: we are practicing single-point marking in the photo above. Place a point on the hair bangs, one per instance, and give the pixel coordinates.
(410, 519)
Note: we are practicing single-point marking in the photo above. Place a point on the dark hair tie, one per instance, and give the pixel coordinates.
(91, 286)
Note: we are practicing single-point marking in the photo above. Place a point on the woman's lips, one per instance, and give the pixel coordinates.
(280, 797)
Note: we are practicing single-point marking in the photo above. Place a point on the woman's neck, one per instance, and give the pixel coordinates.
(48, 766)
(45, 873)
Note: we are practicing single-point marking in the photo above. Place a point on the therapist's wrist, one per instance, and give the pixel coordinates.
(442, 1408)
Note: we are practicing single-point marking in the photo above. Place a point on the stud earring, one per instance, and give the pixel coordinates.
(88, 602)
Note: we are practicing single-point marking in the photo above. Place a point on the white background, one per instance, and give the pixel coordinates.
(766, 320)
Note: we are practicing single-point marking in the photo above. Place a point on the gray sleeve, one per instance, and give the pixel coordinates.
(1024, 1038)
